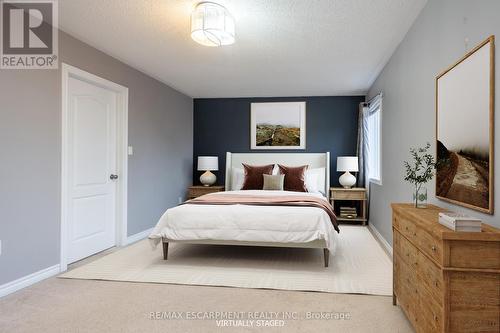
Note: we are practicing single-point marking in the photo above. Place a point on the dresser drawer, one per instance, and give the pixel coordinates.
(407, 294)
(432, 313)
(474, 302)
(409, 304)
(466, 254)
(396, 267)
(430, 245)
(408, 253)
(408, 284)
(396, 240)
(431, 277)
(405, 227)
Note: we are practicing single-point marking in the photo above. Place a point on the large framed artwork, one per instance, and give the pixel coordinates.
(465, 105)
(279, 125)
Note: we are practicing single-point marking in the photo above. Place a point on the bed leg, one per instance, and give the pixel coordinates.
(165, 250)
(326, 254)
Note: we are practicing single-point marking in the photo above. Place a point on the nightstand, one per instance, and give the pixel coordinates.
(349, 204)
(198, 191)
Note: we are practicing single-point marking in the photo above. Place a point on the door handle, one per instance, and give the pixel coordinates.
(112, 177)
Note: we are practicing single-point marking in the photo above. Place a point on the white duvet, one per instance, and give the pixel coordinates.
(284, 224)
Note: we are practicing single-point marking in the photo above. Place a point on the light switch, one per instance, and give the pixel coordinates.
(130, 150)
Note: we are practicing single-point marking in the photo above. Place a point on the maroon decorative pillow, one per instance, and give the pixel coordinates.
(295, 177)
(254, 179)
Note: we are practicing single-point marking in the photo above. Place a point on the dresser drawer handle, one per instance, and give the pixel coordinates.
(433, 248)
(436, 283)
(435, 318)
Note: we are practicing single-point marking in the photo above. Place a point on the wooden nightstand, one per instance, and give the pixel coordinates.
(349, 197)
(198, 191)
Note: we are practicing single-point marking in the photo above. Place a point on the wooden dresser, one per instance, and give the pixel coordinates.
(445, 281)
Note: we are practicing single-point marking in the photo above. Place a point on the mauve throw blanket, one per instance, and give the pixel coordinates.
(272, 200)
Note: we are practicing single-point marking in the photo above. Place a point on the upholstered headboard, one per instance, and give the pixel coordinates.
(314, 160)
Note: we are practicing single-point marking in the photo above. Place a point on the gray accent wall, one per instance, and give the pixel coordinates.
(160, 130)
(435, 42)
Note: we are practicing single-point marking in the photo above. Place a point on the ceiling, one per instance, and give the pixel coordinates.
(283, 47)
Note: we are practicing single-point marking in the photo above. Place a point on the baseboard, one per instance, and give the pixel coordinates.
(381, 239)
(28, 280)
(138, 236)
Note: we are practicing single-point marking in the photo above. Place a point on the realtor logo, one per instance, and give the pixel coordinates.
(29, 35)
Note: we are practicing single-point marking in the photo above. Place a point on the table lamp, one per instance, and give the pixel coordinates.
(207, 164)
(347, 164)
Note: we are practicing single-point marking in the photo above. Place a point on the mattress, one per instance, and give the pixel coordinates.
(270, 224)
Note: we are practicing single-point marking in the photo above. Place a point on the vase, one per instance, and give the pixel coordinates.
(420, 197)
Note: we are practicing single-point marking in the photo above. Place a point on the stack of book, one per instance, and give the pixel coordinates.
(348, 212)
(460, 222)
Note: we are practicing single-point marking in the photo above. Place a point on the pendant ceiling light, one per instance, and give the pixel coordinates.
(212, 25)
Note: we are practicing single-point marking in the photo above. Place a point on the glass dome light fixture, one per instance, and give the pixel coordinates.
(212, 25)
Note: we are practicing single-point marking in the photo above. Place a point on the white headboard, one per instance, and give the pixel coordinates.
(314, 160)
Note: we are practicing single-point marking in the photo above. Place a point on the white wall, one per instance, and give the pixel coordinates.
(435, 42)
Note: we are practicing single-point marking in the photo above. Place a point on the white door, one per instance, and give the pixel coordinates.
(91, 169)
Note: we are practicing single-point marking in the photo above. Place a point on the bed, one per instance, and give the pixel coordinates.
(255, 225)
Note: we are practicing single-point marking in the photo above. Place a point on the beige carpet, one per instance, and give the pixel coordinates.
(88, 306)
(359, 266)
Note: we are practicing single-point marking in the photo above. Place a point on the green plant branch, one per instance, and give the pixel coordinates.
(421, 169)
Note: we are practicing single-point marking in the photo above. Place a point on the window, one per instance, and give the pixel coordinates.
(374, 129)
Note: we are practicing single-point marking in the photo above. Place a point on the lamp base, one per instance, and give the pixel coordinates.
(208, 178)
(347, 180)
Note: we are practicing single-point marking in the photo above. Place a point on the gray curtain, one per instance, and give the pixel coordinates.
(362, 152)
(362, 146)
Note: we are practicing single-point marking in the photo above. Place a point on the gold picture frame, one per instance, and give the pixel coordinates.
(465, 172)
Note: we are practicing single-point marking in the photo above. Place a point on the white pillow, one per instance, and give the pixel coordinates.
(315, 180)
(312, 182)
(237, 179)
(276, 170)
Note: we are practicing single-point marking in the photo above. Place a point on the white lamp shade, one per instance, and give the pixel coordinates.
(212, 25)
(347, 163)
(208, 163)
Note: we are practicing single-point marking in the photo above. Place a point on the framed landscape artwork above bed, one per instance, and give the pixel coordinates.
(279, 125)
(464, 130)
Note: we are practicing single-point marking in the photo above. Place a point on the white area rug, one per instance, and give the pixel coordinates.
(359, 266)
